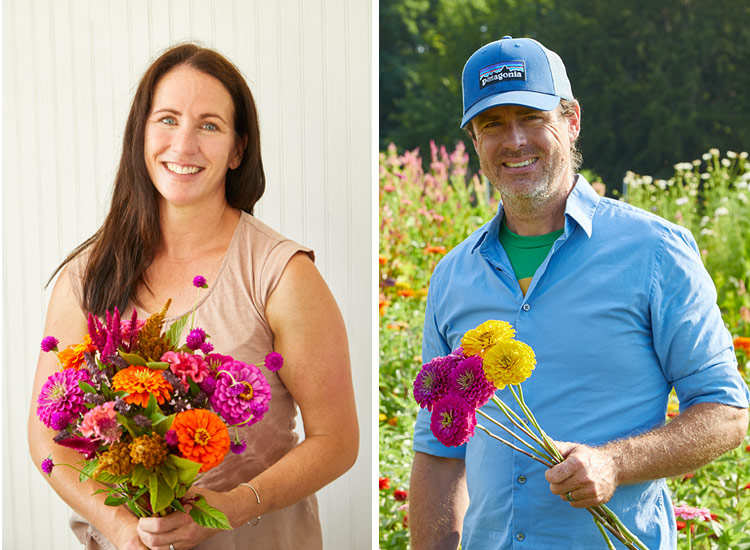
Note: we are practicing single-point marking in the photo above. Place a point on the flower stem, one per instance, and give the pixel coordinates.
(599, 526)
(195, 305)
(548, 445)
(509, 444)
(533, 449)
(518, 422)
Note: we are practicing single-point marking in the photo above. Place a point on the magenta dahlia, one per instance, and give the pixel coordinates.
(61, 394)
(432, 381)
(242, 393)
(467, 380)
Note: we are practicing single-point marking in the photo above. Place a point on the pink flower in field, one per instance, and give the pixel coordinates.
(185, 365)
(745, 314)
(689, 512)
(100, 423)
(388, 188)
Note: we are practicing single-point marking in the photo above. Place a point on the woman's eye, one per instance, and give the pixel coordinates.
(210, 126)
(168, 120)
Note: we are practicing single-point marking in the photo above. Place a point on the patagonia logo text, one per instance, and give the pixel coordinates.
(501, 72)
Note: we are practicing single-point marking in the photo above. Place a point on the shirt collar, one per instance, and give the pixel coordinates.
(579, 209)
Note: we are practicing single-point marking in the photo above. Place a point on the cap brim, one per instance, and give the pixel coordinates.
(534, 100)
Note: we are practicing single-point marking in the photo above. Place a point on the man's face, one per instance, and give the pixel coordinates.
(525, 153)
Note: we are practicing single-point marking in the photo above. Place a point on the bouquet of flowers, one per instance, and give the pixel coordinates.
(454, 388)
(148, 415)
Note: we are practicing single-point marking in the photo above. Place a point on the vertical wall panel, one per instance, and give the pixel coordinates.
(70, 68)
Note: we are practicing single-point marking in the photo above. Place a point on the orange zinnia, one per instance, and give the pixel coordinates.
(202, 437)
(140, 383)
(72, 356)
(743, 343)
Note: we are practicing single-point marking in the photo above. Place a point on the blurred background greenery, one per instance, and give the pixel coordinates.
(659, 82)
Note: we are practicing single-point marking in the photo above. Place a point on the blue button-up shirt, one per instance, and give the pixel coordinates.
(620, 312)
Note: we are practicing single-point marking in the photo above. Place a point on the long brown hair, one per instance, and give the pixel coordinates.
(124, 246)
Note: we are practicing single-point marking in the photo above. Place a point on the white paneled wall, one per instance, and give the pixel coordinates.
(70, 68)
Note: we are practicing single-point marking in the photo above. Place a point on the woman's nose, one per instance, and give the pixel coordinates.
(185, 140)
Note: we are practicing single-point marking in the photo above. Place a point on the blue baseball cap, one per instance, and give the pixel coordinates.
(513, 71)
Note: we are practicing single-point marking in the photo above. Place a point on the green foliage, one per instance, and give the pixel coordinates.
(425, 213)
(659, 82)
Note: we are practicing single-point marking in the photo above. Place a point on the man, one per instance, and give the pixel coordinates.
(619, 310)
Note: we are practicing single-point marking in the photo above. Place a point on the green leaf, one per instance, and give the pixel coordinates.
(140, 475)
(177, 505)
(187, 470)
(152, 406)
(160, 492)
(86, 387)
(162, 424)
(87, 470)
(170, 476)
(175, 330)
(158, 365)
(207, 516)
(133, 359)
(129, 425)
(112, 500)
(106, 477)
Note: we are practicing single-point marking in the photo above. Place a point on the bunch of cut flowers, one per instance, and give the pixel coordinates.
(454, 389)
(150, 416)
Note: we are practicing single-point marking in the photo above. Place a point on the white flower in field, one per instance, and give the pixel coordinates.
(742, 198)
(724, 200)
(705, 220)
(707, 231)
(681, 201)
(743, 155)
(684, 166)
(696, 162)
(721, 211)
(726, 163)
(705, 176)
(741, 184)
(647, 180)
(714, 152)
(661, 184)
(706, 156)
(731, 154)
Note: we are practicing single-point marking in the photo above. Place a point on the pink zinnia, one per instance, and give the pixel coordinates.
(251, 403)
(61, 394)
(452, 421)
(101, 423)
(468, 381)
(689, 512)
(187, 367)
(274, 361)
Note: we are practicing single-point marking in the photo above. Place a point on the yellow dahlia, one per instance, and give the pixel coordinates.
(508, 362)
(480, 340)
(140, 382)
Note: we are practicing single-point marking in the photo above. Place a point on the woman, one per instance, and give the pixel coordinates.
(189, 176)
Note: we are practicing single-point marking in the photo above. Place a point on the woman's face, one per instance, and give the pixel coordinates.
(190, 141)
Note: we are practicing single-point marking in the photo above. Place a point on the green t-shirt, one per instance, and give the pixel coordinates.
(526, 254)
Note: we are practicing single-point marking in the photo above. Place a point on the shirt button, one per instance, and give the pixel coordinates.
(520, 536)
(526, 307)
(522, 479)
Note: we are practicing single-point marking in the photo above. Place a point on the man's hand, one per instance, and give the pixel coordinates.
(588, 474)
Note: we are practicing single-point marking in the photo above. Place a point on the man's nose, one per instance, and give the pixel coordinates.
(515, 135)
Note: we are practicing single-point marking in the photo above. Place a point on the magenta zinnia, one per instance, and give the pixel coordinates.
(432, 381)
(452, 421)
(242, 393)
(62, 394)
(467, 380)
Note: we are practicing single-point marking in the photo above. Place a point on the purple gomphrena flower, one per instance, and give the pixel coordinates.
(199, 282)
(208, 386)
(49, 343)
(432, 382)
(238, 447)
(61, 393)
(195, 338)
(47, 465)
(59, 420)
(274, 361)
(171, 438)
(467, 380)
(452, 421)
(207, 347)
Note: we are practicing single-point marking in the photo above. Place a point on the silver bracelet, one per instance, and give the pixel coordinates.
(258, 498)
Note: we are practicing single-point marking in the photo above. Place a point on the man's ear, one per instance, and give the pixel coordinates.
(574, 122)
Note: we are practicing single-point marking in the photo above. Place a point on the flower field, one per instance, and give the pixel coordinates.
(423, 214)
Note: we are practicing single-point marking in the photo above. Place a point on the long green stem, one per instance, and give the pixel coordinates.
(519, 438)
(512, 446)
(548, 445)
(516, 420)
(623, 528)
(599, 526)
(192, 317)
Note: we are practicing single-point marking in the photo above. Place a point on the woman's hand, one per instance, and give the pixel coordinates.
(127, 537)
(178, 528)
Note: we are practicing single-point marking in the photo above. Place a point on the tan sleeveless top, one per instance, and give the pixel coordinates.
(232, 311)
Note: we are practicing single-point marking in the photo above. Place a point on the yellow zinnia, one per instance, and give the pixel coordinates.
(483, 338)
(508, 362)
